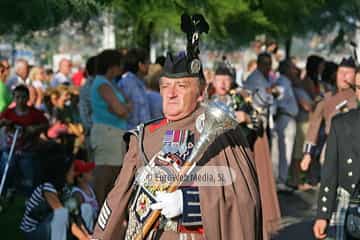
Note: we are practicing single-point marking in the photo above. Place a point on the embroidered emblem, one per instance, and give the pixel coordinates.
(199, 124)
(143, 206)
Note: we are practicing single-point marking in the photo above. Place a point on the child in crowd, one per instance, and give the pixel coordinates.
(48, 214)
(84, 193)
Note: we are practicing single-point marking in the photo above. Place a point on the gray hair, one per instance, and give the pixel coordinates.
(20, 63)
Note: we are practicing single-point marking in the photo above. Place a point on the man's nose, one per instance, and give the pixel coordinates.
(172, 92)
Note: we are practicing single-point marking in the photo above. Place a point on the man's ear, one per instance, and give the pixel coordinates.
(201, 98)
(202, 95)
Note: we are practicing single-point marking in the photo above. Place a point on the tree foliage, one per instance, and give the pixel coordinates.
(232, 22)
(22, 16)
(238, 20)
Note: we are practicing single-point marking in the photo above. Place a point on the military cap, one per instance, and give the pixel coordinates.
(348, 62)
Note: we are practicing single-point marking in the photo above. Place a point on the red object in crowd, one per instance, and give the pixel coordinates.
(56, 130)
(78, 78)
(83, 167)
(33, 117)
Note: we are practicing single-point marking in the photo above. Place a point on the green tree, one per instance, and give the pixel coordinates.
(24, 16)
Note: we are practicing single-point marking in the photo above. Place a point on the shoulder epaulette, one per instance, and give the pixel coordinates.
(138, 132)
(154, 125)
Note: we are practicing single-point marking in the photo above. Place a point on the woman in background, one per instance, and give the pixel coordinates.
(109, 113)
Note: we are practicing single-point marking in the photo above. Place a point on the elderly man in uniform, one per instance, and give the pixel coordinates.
(331, 105)
(192, 212)
(340, 175)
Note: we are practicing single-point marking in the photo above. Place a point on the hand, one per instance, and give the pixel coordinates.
(305, 162)
(319, 228)
(242, 117)
(79, 233)
(171, 204)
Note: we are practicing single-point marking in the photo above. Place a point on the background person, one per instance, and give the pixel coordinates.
(45, 216)
(84, 193)
(109, 114)
(32, 122)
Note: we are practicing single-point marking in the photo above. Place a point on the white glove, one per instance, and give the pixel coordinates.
(170, 203)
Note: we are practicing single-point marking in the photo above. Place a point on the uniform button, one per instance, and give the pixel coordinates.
(350, 174)
(349, 161)
(324, 209)
(324, 199)
(326, 189)
(352, 185)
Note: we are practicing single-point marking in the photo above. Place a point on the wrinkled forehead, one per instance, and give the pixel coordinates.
(188, 80)
(346, 69)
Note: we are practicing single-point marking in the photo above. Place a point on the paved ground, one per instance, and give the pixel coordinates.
(298, 210)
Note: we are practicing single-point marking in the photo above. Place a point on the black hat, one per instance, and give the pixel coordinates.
(348, 62)
(187, 64)
(179, 66)
(224, 68)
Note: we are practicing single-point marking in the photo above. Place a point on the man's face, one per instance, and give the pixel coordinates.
(222, 84)
(23, 71)
(180, 96)
(65, 67)
(21, 98)
(344, 77)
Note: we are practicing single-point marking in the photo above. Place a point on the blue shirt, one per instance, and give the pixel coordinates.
(155, 101)
(286, 102)
(100, 108)
(135, 91)
(60, 79)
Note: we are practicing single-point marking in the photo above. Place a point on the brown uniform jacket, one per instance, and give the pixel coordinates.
(326, 110)
(228, 212)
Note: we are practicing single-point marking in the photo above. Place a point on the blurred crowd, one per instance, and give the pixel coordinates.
(52, 118)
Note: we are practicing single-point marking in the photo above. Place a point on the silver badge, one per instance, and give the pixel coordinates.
(195, 66)
(199, 124)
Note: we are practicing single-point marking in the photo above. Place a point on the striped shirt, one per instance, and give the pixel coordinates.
(28, 223)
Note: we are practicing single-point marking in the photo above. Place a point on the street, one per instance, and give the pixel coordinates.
(298, 210)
